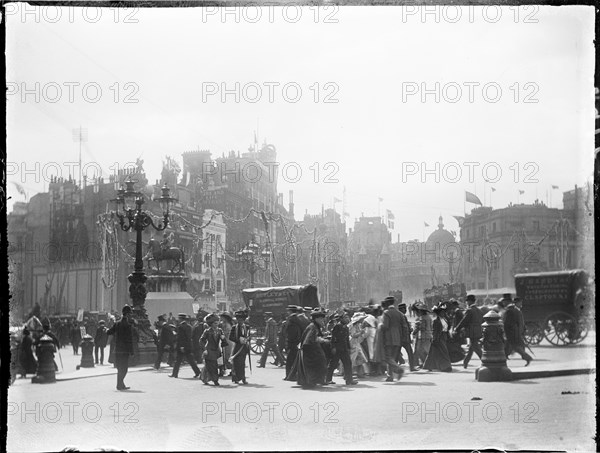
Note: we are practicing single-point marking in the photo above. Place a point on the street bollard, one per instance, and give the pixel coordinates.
(87, 352)
(46, 373)
(493, 360)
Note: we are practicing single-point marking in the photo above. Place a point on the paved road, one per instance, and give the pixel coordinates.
(423, 410)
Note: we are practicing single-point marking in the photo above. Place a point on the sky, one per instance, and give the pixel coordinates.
(404, 104)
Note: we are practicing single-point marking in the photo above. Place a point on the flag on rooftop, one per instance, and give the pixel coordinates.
(472, 198)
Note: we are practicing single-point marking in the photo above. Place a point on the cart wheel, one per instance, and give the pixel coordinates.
(580, 331)
(257, 345)
(533, 333)
(559, 328)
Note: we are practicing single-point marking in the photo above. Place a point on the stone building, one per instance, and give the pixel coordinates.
(496, 244)
(416, 266)
(369, 247)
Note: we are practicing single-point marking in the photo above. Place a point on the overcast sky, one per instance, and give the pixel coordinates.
(374, 61)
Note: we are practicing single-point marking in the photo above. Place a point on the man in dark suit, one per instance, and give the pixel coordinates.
(166, 338)
(514, 328)
(293, 334)
(392, 337)
(184, 347)
(340, 350)
(471, 323)
(100, 341)
(123, 332)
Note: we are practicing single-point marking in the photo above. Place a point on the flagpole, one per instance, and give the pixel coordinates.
(484, 197)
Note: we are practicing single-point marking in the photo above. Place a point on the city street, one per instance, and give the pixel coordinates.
(423, 410)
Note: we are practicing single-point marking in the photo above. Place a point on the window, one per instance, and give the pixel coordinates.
(536, 225)
(206, 284)
(219, 286)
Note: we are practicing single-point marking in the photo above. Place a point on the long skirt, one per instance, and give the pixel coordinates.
(422, 347)
(370, 340)
(379, 348)
(210, 372)
(455, 350)
(238, 372)
(438, 358)
(310, 367)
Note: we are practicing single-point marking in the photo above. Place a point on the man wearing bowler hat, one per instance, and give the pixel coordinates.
(184, 347)
(471, 323)
(123, 332)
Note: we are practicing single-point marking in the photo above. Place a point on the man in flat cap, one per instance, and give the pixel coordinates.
(123, 332)
(471, 324)
(184, 347)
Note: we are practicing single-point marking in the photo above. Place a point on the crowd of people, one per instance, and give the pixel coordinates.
(312, 344)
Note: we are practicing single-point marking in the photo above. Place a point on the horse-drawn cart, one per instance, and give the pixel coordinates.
(556, 305)
(275, 300)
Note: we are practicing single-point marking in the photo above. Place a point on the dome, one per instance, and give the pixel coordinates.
(441, 236)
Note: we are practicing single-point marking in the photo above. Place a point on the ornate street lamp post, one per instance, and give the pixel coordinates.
(131, 216)
(251, 256)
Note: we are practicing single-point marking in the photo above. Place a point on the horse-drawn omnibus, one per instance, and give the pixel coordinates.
(275, 300)
(557, 306)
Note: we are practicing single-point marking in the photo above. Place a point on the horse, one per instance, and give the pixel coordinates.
(157, 254)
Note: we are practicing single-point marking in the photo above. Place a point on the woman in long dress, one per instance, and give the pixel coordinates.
(211, 342)
(438, 358)
(311, 360)
(377, 367)
(357, 335)
(27, 360)
(226, 326)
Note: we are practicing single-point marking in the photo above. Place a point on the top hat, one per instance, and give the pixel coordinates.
(471, 298)
(126, 309)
